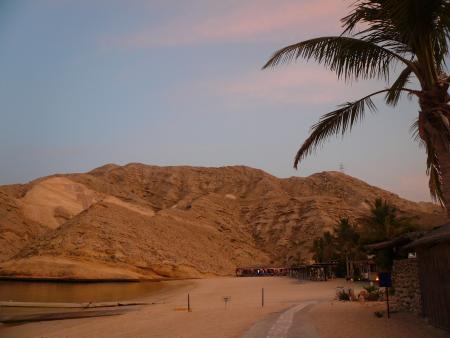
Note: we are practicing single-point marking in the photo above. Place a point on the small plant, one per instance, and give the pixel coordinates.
(373, 292)
(374, 296)
(371, 288)
(344, 296)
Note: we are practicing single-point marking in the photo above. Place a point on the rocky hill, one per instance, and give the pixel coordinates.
(138, 221)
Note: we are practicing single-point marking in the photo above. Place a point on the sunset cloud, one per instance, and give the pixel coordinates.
(287, 85)
(246, 21)
(298, 85)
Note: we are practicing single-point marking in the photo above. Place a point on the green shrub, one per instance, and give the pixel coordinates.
(373, 292)
(374, 296)
(342, 295)
(371, 288)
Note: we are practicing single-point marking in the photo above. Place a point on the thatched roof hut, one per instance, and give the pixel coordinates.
(440, 234)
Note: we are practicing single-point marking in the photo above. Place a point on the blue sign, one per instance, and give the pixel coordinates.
(385, 279)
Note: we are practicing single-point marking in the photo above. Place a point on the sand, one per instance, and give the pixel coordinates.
(345, 319)
(210, 318)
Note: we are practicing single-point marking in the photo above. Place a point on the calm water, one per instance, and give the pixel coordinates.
(76, 292)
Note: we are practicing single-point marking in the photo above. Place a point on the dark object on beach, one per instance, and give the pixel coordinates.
(262, 297)
(379, 314)
(68, 305)
(226, 299)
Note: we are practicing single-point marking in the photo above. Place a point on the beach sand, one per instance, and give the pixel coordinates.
(210, 317)
(354, 319)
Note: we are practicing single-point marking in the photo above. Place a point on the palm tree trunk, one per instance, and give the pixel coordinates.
(443, 154)
(347, 267)
(434, 122)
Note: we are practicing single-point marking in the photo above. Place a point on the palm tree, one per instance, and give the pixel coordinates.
(378, 35)
(347, 242)
(383, 223)
(323, 248)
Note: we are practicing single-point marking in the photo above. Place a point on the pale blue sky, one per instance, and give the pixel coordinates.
(89, 82)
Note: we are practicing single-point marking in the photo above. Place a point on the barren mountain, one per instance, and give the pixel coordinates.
(139, 221)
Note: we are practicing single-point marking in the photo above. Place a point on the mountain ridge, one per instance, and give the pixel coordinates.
(145, 221)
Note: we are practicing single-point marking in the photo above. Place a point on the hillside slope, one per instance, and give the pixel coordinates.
(139, 221)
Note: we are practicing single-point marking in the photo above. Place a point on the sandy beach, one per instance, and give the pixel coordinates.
(312, 311)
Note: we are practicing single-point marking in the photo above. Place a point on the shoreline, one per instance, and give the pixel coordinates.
(168, 316)
(71, 280)
(212, 317)
(91, 280)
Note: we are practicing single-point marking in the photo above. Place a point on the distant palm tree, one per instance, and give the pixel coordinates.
(323, 248)
(413, 33)
(347, 243)
(383, 223)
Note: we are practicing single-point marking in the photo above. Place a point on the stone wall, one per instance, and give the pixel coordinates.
(405, 279)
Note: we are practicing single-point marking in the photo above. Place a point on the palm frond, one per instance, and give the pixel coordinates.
(335, 123)
(414, 130)
(380, 31)
(407, 27)
(348, 57)
(442, 36)
(394, 93)
(433, 169)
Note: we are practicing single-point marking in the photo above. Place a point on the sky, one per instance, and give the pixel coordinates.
(89, 82)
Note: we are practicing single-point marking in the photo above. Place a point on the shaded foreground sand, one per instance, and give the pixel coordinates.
(346, 319)
(210, 318)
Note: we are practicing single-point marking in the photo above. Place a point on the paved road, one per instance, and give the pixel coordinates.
(293, 322)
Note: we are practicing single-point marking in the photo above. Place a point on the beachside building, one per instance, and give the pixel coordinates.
(314, 272)
(433, 258)
(260, 271)
(421, 273)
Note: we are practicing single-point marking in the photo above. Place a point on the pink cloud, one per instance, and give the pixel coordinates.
(245, 22)
(296, 85)
(288, 85)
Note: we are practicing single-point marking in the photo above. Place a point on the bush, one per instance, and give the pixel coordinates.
(374, 292)
(342, 295)
(371, 288)
(374, 296)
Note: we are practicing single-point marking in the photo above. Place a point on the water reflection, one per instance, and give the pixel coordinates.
(75, 292)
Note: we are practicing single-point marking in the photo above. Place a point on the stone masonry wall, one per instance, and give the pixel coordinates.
(405, 279)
